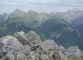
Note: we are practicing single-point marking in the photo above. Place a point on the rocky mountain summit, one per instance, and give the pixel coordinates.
(62, 27)
(29, 46)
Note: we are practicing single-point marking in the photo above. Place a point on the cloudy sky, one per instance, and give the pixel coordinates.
(8, 6)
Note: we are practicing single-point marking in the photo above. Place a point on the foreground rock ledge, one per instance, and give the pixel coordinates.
(30, 47)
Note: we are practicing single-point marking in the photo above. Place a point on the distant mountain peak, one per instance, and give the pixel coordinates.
(74, 10)
(18, 11)
(31, 11)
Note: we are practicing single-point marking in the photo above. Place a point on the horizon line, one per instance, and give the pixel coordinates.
(39, 12)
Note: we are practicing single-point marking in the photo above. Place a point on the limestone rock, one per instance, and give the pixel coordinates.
(1, 47)
(73, 52)
(62, 56)
(26, 50)
(22, 38)
(10, 43)
(33, 37)
(48, 44)
(30, 47)
(44, 57)
(15, 55)
(82, 56)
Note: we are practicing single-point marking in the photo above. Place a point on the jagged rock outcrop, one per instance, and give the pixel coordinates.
(49, 44)
(22, 38)
(30, 47)
(33, 37)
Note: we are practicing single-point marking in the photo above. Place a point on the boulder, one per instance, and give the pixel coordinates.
(62, 56)
(26, 50)
(82, 54)
(33, 37)
(34, 55)
(73, 52)
(61, 47)
(1, 47)
(48, 44)
(11, 43)
(44, 57)
(22, 38)
(15, 55)
(10, 55)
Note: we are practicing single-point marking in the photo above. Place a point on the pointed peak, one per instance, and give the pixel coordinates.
(74, 10)
(18, 11)
(31, 11)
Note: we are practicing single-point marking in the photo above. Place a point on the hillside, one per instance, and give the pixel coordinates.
(70, 15)
(48, 26)
(60, 31)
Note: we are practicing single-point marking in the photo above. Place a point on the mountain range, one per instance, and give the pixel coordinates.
(65, 28)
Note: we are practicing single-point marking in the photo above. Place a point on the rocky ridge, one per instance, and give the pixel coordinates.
(29, 46)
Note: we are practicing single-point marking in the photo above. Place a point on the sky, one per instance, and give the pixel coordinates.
(8, 6)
